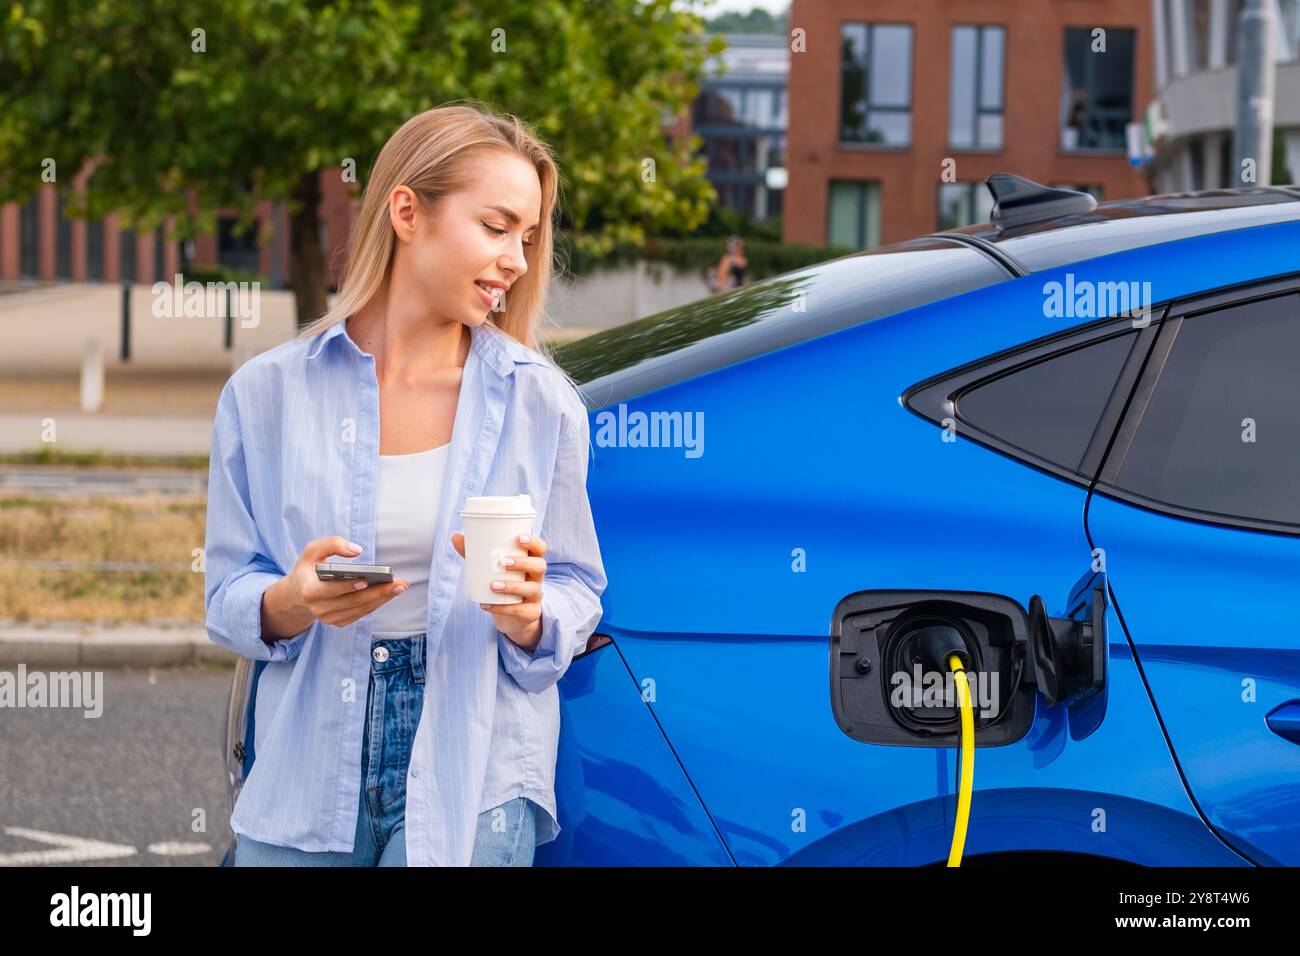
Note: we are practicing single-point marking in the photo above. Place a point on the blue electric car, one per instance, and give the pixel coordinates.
(1065, 442)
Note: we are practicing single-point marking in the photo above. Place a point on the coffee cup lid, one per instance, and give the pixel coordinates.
(508, 506)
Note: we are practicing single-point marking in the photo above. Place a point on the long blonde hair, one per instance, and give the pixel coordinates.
(433, 153)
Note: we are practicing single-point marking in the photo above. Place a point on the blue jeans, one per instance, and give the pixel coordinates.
(393, 703)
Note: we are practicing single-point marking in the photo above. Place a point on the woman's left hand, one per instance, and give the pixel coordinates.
(521, 622)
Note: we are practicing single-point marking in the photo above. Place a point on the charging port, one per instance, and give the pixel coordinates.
(890, 682)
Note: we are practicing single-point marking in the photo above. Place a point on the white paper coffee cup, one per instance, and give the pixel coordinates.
(493, 524)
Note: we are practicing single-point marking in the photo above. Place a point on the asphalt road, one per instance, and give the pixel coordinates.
(124, 788)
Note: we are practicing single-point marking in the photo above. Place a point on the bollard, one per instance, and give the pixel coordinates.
(230, 327)
(126, 320)
(92, 376)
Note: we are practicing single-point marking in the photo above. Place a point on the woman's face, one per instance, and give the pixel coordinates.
(472, 239)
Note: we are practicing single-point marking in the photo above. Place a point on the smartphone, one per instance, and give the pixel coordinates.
(343, 571)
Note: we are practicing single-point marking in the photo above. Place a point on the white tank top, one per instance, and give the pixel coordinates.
(410, 488)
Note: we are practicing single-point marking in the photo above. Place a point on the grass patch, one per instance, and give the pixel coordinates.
(48, 455)
(160, 531)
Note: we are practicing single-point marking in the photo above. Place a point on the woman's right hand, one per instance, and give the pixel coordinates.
(301, 597)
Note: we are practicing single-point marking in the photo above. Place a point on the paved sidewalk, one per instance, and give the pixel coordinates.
(62, 645)
(50, 328)
(118, 434)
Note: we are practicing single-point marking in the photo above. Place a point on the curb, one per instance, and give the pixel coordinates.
(87, 645)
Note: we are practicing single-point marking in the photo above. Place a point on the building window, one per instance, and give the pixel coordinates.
(1230, 34)
(854, 218)
(62, 240)
(1287, 34)
(126, 255)
(876, 84)
(95, 250)
(975, 94)
(729, 154)
(1196, 158)
(773, 152)
(962, 204)
(29, 229)
(159, 255)
(94, 233)
(718, 104)
(1096, 90)
(759, 107)
(775, 201)
(740, 196)
(238, 250)
(1197, 31)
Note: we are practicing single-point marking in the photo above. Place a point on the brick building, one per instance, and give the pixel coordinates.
(887, 90)
(37, 241)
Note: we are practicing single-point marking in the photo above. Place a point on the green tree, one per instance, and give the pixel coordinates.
(191, 107)
(755, 20)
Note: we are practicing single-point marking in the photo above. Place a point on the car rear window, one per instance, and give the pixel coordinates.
(1221, 434)
(1051, 408)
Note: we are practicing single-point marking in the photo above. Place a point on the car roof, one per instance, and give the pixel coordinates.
(702, 336)
(1125, 224)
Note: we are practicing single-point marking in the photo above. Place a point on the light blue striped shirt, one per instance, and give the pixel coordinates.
(295, 456)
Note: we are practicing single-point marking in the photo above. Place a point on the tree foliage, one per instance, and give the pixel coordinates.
(192, 107)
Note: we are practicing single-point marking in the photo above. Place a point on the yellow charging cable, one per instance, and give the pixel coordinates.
(967, 761)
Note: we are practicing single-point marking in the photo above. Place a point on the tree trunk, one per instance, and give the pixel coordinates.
(308, 276)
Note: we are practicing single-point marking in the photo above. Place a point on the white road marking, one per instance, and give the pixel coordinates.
(176, 848)
(72, 849)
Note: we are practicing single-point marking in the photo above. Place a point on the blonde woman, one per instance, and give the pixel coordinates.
(400, 723)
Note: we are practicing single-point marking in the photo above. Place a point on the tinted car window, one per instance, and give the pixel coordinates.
(1221, 433)
(1050, 408)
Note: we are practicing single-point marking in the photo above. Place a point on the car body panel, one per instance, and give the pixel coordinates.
(703, 602)
(621, 795)
(1211, 613)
